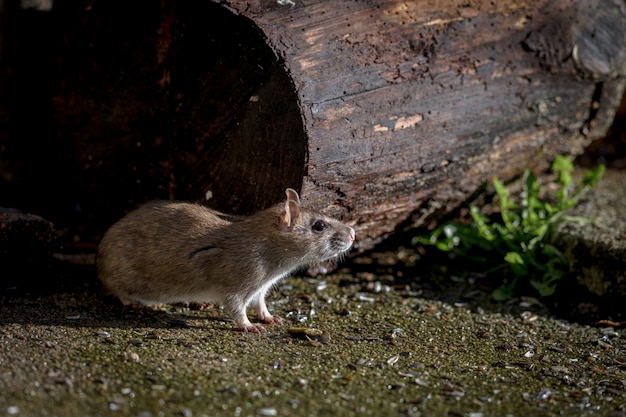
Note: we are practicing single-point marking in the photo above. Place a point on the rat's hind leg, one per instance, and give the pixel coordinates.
(200, 306)
(136, 307)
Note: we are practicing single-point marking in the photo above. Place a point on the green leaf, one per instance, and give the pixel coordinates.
(533, 208)
(433, 239)
(518, 266)
(593, 175)
(590, 178)
(544, 289)
(562, 163)
(564, 167)
(506, 205)
(481, 223)
(514, 258)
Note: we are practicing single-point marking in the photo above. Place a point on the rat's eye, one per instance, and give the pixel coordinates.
(319, 226)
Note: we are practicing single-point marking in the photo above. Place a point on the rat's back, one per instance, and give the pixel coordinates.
(140, 255)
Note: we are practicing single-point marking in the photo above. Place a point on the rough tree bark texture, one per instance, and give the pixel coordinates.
(382, 112)
(409, 106)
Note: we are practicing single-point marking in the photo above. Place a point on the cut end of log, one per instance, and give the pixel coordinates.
(163, 100)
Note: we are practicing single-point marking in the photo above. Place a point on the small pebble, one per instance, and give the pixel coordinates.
(421, 382)
(321, 286)
(132, 356)
(13, 410)
(187, 343)
(391, 361)
(363, 297)
(268, 412)
(324, 337)
(304, 332)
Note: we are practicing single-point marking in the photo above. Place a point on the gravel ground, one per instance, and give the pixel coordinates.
(397, 339)
(389, 334)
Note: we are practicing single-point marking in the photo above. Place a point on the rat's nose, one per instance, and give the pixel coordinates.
(352, 234)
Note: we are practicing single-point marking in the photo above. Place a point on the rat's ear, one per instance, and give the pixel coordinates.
(292, 195)
(291, 213)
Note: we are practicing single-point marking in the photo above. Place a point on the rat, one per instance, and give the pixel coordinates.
(170, 251)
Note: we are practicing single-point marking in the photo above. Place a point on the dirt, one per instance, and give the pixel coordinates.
(401, 338)
(398, 331)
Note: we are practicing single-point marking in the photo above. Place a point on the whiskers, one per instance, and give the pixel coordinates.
(326, 265)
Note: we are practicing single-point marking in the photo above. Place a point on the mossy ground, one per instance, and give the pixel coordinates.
(403, 341)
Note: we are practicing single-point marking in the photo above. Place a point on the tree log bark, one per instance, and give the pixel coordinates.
(410, 106)
(384, 113)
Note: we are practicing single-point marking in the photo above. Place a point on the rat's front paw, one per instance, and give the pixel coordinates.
(252, 328)
(140, 310)
(246, 326)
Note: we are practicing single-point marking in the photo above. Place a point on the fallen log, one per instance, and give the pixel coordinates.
(409, 107)
(384, 113)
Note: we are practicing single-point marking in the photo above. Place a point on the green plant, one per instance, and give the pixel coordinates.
(518, 238)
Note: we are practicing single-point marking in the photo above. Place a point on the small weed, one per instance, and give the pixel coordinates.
(519, 237)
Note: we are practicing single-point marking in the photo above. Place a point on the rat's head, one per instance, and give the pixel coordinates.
(322, 237)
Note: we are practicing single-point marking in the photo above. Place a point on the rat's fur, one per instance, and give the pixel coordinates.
(167, 252)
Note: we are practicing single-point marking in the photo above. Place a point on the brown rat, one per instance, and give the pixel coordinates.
(168, 252)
